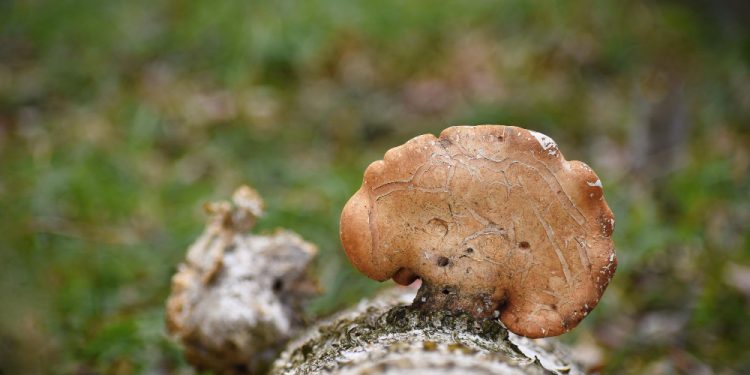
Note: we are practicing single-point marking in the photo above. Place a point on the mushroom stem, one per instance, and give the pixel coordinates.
(436, 297)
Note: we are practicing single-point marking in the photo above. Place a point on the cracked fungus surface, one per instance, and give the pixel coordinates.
(494, 221)
(385, 337)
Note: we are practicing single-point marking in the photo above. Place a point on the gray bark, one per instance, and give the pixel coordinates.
(387, 336)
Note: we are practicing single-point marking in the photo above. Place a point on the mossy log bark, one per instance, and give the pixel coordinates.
(387, 336)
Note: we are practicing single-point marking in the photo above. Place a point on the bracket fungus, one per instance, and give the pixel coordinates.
(493, 220)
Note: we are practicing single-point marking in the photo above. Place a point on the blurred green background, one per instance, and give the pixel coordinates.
(119, 119)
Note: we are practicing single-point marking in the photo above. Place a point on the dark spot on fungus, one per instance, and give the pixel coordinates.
(278, 284)
(442, 261)
(500, 304)
(446, 291)
(469, 250)
(524, 245)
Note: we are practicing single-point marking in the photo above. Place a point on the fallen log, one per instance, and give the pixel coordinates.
(387, 336)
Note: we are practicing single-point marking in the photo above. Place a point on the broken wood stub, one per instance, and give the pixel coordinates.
(237, 299)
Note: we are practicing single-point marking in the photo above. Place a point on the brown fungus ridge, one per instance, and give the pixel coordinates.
(494, 221)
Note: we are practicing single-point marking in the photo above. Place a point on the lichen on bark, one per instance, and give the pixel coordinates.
(387, 336)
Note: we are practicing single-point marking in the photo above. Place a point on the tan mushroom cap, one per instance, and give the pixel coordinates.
(494, 221)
